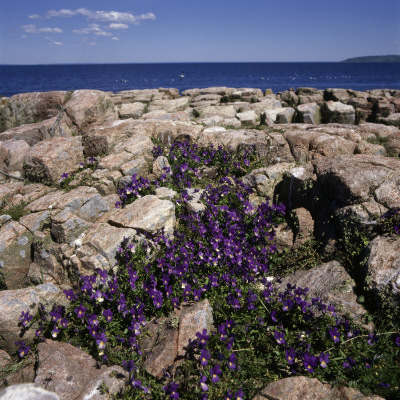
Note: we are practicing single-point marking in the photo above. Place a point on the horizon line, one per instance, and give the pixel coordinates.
(170, 62)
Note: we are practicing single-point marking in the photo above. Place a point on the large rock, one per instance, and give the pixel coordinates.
(265, 180)
(100, 244)
(271, 147)
(27, 391)
(300, 387)
(167, 340)
(16, 152)
(131, 110)
(48, 160)
(84, 201)
(335, 111)
(383, 266)
(221, 111)
(36, 132)
(170, 105)
(310, 144)
(13, 302)
(360, 178)
(332, 284)
(27, 108)
(308, 113)
(89, 106)
(75, 375)
(15, 254)
(148, 213)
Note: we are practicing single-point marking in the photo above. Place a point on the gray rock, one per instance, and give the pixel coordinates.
(247, 117)
(27, 391)
(49, 159)
(66, 227)
(335, 111)
(300, 387)
(15, 254)
(73, 374)
(164, 193)
(13, 302)
(308, 113)
(383, 266)
(138, 167)
(148, 213)
(285, 116)
(131, 110)
(159, 164)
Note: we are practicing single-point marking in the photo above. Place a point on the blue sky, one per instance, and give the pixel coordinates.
(129, 31)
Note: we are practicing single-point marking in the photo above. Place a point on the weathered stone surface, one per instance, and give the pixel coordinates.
(308, 113)
(166, 340)
(101, 138)
(164, 193)
(341, 95)
(392, 119)
(335, 111)
(162, 347)
(49, 159)
(137, 146)
(170, 105)
(272, 115)
(74, 375)
(36, 132)
(66, 227)
(247, 117)
(159, 164)
(193, 319)
(35, 222)
(195, 204)
(89, 106)
(285, 116)
(265, 180)
(27, 108)
(308, 145)
(357, 178)
(17, 151)
(300, 387)
(27, 391)
(271, 147)
(332, 284)
(221, 111)
(15, 254)
(305, 226)
(13, 302)
(383, 266)
(147, 213)
(131, 110)
(138, 167)
(101, 243)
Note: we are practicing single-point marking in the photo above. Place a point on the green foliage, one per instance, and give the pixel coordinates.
(15, 211)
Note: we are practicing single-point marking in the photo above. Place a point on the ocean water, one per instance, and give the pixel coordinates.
(276, 76)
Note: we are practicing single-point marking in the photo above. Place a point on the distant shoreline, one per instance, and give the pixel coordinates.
(374, 59)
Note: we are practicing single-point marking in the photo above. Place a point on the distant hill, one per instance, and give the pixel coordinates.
(374, 59)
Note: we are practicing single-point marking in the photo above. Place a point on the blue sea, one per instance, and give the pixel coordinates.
(276, 76)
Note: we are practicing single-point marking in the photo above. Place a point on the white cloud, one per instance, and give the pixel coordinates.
(32, 29)
(114, 38)
(52, 41)
(101, 16)
(118, 26)
(24, 36)
(92, 29)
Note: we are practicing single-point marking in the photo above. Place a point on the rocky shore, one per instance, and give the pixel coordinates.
(329, 156)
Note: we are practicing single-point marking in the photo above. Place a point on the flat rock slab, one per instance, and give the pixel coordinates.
(13, 302)
(300, 387)
(149, 214)
(49, 159)
(73, 374)
(84, 201)
(357, 178)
